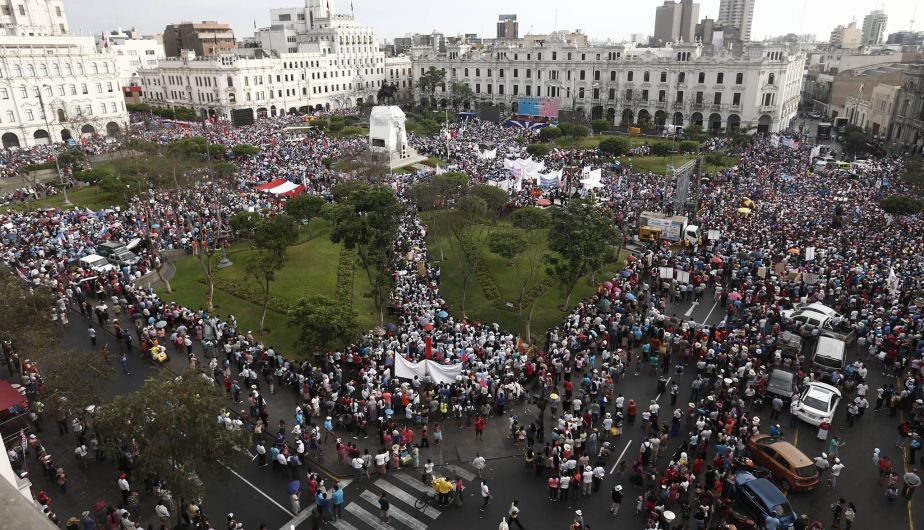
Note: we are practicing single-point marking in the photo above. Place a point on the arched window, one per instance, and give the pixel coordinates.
(17, 71)
(106, 67)
(230, 81)
(30, 70)
(94, 69)
(55, 70)
(43, 70)
(79, 68)
(67, 69)
(771, 78)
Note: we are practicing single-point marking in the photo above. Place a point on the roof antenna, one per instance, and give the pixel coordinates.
(555, 22)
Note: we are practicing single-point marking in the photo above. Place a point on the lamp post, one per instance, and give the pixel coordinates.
(67, 201)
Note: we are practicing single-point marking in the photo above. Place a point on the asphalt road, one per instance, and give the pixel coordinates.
(257, 495)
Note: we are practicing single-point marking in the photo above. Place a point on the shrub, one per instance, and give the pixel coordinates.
(689, 146)
(599, 126)
(352, 130)
(715, 159)
(565, 128)
(660, 148)
(335, 126)
(579, 131)
(614, 145)
(901, 204)
(37, 167)
(549, 133)
(244, 150)
(538, 150)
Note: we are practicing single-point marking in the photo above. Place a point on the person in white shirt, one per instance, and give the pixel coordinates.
(162, 513)
(478, 463)
(485, 494)
(586, 480)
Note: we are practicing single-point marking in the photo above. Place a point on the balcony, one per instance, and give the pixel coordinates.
(679, 105)
(767, 108)
(698, 105)
(660, 104)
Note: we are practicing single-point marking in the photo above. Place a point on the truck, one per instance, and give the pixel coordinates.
(670, 227)
(824, 131)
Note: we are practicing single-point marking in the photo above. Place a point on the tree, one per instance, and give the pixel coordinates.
(429, 80)
(25, 315)
(615, 145)
(367, 220)
(660, 148)
(507, 244)
(901, 204)
(599, 126)
(914, 172)
(271, 238)
(532, 221)
(547, 134)
(304, 208)
(579, 131)
(495, 198)
(695, 132)
(71, 380)
(450, 186)
(538, 150)
(582, 239)
(169, 427)
(244, 150)
(321, 322)
(467, 237)
(689, 146)
(461, 92)
(855, 143)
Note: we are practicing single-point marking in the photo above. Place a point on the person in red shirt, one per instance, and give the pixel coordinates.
(479, 428)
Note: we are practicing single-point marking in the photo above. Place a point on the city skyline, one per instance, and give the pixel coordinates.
(480, 16)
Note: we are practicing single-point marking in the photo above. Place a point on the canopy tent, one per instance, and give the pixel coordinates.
(282, 188)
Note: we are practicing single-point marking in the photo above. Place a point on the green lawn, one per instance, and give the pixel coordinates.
(547, 313)
(311, 269)
(87, 197)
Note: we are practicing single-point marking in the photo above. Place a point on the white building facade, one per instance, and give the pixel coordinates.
(758, 89)
(310, 58)
(131, 54)
(54, 87)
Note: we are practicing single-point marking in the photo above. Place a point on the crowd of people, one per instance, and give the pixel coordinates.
(863, 264)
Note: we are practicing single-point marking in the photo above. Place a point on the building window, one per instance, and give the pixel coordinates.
(771, 78)
(501, 72)
(739, 78)
(466, 72)
(629, 76)
(646, 77)
(477, 72)
(4, 94)
(717, 98)
(736, 98)
(529, 91)
(516, 89)
(662, 96)
(679, 96)
(83, 88)
(719, 78)
(22, 10)
(554, 56)
(10, 116)
(612, 76)
(628, 94)
(612, 95)
(478, 88)
(699, 98)
(596, 93)
(645, 95)
(664, 77)
(500, 89)
(285, 18)
(30, 115)
(23, 93)
(702, 78)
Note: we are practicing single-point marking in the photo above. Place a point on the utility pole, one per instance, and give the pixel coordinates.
(67, 201)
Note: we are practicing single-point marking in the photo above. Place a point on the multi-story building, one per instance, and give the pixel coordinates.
(758, 88)
(874, 28)
(675, 22)
(739, 14)
(54, 86)
(847, 37)
(336, 64)
(398, 72)
(873, 106)
(906, 38)
(205, 38)
(908, 121)
(507, 27)
(131, 52)
(32, 18)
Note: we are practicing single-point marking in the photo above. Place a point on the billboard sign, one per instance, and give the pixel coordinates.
(545, 107)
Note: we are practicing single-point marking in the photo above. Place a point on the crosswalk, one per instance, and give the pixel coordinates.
(402, 489)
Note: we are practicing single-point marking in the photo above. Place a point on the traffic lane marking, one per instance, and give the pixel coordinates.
(261, 492)
(622, 454)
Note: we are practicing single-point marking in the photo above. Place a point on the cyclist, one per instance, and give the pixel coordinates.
(444, 488)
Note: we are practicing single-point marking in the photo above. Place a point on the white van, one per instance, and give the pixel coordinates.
(829, 354)
(97, 263)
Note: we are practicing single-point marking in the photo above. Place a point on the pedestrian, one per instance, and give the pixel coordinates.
(834, 446)
(835, 472)
(261, 453)
(124, 360)
(92, 333)
(850, 513)
(478, 463)
(337, 499)
(295, 500)
(503, 524)
(485, 494)
(912, 481)
(124, 488)
(514, 514)
(479, 428)
(383, 508)
(163, 514)
(837, 511)
(616, 498)
(61, 479)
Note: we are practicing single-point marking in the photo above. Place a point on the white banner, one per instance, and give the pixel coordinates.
(443, 373)
(809, 253)
(550, 180)
(712, 235)
(407, 370)
(682, 276)
(666, 273)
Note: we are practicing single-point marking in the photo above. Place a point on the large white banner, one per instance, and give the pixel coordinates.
(407, 370)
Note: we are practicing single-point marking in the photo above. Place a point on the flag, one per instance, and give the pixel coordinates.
(892, 282)
(254, 23)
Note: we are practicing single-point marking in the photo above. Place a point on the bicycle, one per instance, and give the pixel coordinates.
(426, 498)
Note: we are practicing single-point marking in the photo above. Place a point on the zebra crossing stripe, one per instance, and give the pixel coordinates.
(395, 513)
(404, 496)
(412, 482)
(363, 514)
(340, 524)
(463, 473)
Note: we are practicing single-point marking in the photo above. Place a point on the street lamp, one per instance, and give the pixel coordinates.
(67, 201)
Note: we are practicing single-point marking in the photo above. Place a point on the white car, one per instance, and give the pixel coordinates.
(817, 402)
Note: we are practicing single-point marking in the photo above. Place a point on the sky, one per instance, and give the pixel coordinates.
(600, 19)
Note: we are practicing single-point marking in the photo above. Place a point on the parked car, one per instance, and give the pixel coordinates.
(96, 263)
(817, 402)
(828, 354)
(761, 498)
(786, 462)
(781, 383)
(818, 316)
(124, 257)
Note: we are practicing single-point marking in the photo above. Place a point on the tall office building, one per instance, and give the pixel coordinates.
(205, 38)
(874, 28)
(675, 22)
(738, 13)
(507, 27)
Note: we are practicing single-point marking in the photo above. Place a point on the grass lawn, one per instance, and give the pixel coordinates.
(311, 269)
(86, 197)
(547, 313)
